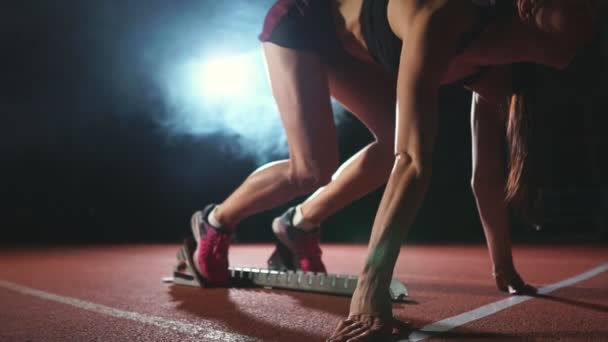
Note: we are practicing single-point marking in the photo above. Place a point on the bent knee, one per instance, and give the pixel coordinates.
(310, 176)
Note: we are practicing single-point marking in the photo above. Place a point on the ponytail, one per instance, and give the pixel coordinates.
(522, 188)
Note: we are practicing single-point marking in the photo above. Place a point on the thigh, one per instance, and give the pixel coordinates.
(368, 92)
(300, 87)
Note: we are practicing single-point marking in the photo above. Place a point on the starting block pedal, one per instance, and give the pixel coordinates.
(334, 284)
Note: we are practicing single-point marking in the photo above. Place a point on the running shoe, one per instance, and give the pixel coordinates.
(296, 249)
(211, 254)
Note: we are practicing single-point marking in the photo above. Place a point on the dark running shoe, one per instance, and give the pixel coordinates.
(211, 254)
(296, 249)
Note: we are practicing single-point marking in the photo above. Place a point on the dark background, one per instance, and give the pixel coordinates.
(84, 158)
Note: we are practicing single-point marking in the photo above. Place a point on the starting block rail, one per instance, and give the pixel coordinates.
(334, 284)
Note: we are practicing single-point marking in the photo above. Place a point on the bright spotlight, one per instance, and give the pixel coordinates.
(230, 77)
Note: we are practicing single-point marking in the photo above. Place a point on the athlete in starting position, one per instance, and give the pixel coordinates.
(375, 56)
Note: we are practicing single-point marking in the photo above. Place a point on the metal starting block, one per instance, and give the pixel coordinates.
(334, 284)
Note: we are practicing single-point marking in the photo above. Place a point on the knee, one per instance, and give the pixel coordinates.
(309, 176)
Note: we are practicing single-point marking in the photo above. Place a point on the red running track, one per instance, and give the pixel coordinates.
(114, 293)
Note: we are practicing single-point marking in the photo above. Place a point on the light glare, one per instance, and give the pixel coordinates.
(227, 77)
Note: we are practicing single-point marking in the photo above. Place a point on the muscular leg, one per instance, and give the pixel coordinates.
(306, 114)
(358, 176)
(368, 92)
(267, 187)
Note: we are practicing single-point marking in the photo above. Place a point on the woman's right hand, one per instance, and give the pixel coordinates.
(362, 327)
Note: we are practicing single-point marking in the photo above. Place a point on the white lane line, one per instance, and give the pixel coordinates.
(433, 329)
(202, 330)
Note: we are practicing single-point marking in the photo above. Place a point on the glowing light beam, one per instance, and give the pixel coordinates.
(227, 77)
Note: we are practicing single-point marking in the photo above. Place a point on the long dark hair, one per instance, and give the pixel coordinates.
(543, 95)
(522, 187)
(525, 146)
(522, 182)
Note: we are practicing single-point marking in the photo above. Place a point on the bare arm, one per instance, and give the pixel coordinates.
(488, 178)
(488, 125)
(431, 43)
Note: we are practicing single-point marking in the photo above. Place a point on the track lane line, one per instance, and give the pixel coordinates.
(450, 323)
(202, 330)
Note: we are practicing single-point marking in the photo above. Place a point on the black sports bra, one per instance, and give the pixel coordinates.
(308, 25)
(385, 46)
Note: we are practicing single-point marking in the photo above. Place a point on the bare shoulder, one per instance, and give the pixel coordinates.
(455, 13)
(496, 83)
(494, 89)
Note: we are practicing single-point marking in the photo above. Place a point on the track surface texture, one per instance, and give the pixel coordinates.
(115, 293)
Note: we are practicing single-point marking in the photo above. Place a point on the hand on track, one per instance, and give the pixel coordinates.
(362, 328)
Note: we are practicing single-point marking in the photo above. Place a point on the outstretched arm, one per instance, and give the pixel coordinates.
(488, 178)
(431, 43)
(488, 130)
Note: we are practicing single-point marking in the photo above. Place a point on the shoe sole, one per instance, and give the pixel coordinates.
(281, 259)
(195, 223)
(280, 232)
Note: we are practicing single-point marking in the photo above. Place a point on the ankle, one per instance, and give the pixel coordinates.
(301, 222)
(213, 218)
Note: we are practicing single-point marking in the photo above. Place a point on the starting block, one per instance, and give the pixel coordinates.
(326, 283)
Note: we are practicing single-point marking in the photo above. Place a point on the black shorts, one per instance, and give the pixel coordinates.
(305, 25)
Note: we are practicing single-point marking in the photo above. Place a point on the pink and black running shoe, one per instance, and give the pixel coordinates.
(296, 249)
(211, 254)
